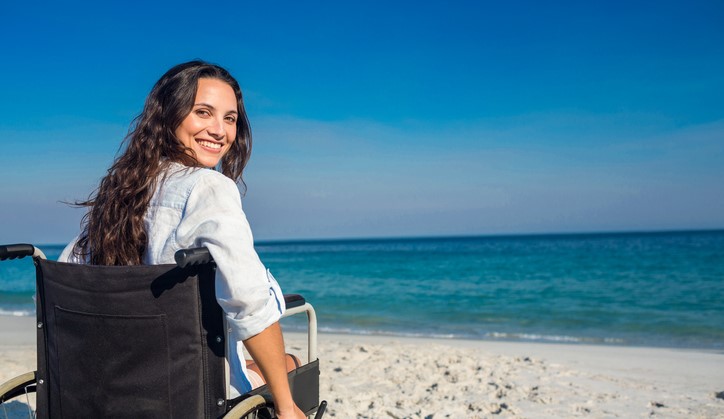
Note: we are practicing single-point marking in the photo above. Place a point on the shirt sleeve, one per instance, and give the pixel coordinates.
(245, 289)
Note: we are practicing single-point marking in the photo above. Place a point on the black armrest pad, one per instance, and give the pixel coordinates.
(294, 300)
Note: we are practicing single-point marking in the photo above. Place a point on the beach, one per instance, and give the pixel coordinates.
(365, 376)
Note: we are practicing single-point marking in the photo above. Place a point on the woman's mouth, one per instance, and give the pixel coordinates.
(209, 145)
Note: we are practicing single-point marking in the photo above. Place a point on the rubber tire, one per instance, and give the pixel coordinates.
(247, 406)
(17, 385)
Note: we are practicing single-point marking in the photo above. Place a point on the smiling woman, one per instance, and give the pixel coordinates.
(163, 194)
(210, 128)
(192, 102)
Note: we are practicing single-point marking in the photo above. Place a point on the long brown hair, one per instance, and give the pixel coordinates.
(112, 231)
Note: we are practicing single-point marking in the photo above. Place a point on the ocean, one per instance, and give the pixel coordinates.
(638, 289)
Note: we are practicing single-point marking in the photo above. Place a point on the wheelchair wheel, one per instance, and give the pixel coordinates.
(17, 397)
(254, 407)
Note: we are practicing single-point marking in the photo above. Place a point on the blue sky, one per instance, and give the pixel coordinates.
(376, 119)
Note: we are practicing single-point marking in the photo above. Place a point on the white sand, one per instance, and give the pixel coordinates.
(387, 377)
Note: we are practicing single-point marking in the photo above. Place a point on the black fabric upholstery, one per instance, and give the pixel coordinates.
(142, 342)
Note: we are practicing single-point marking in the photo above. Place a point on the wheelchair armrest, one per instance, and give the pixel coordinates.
(294, 300)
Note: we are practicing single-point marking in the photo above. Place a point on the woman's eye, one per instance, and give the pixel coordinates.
(231, 119)
(203, 112)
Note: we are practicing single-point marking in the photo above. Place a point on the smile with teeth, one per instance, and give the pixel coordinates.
(209, 144)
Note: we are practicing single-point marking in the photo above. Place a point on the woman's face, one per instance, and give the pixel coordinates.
(210, 128)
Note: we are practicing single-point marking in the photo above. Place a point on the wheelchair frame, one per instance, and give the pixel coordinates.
(258, 400)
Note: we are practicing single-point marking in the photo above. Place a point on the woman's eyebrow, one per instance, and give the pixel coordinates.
(207, 105)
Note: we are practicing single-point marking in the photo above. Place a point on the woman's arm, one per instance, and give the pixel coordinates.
(267, 349)
(213, 217)
(247, 292)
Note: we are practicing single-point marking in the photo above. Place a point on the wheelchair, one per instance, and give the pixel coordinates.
(140, 342)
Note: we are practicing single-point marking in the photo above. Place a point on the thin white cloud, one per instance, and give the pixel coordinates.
(530, 177)
(364, 178)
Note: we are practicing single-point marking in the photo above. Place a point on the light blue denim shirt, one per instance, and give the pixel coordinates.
(194, 207)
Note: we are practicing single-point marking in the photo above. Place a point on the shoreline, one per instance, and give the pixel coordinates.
(19, 331)
(389, 376)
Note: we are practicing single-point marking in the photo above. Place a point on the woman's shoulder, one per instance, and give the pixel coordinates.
(189, 181)
(192, 176)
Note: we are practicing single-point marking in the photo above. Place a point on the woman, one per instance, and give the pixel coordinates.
(159, 196)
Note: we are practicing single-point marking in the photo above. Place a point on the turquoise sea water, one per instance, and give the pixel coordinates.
(654, 289)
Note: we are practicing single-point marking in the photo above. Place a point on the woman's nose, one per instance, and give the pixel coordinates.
(215, 128)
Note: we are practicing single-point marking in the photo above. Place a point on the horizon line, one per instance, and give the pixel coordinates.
(472, 236)
(495, 235)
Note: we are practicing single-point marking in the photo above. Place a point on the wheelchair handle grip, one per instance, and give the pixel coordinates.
(16, 251)
(192, 257)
